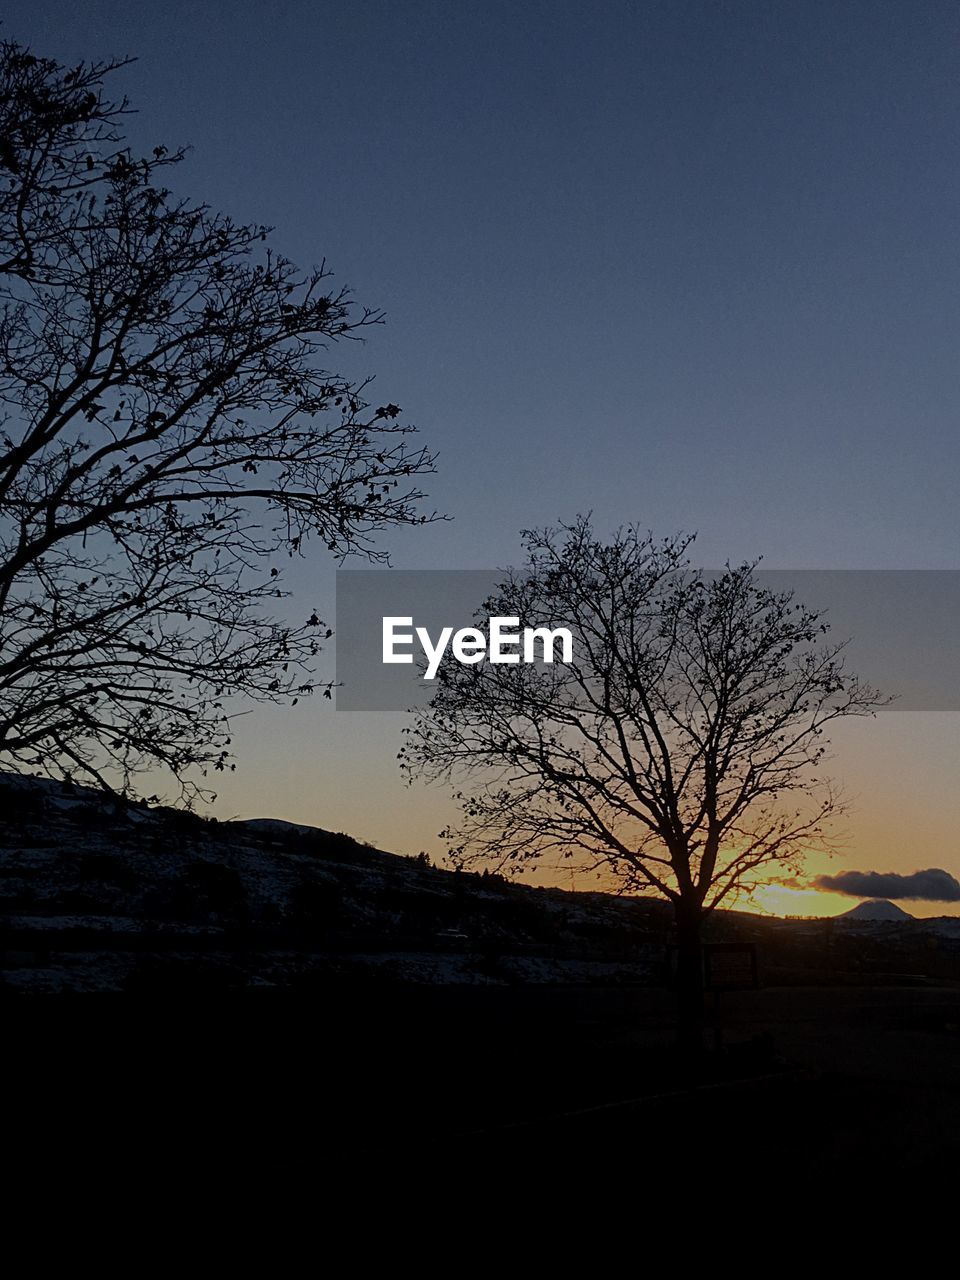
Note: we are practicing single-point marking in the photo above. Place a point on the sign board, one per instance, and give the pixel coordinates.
(730, 966)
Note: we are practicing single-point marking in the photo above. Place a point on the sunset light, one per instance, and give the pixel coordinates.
(785, 900)
(479, 601)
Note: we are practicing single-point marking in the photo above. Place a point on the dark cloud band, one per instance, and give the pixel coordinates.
(932, 885)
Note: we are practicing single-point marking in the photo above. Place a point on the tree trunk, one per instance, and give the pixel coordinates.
(690, 1013)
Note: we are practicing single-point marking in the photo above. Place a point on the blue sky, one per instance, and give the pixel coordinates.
(689, 264)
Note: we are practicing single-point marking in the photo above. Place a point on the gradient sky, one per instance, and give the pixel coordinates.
(691, 264)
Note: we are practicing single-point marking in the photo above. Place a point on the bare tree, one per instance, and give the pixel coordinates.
(680, 749)
(170, 433)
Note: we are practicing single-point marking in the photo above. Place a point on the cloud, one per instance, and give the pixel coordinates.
(932, 885)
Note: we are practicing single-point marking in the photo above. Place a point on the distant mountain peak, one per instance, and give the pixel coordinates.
(876, 909)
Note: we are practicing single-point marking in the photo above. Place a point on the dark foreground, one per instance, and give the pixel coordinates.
(449, 1082)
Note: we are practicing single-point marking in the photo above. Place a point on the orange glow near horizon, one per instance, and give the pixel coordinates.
(784, 900)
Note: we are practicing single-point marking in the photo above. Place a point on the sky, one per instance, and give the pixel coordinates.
(694, 265)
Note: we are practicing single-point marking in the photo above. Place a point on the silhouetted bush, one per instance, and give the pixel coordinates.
(18, 803)
(203, 891)
(314, 902)
(108, 868)
(184, 822)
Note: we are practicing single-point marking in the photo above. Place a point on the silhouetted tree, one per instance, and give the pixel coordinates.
(169, 431)
(681, 748)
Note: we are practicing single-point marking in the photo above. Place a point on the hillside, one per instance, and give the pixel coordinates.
(101, 896)
(876, 909)
(96, 895)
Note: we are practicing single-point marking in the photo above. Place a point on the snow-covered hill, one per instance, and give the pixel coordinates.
(95, 893)
(876, 909)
